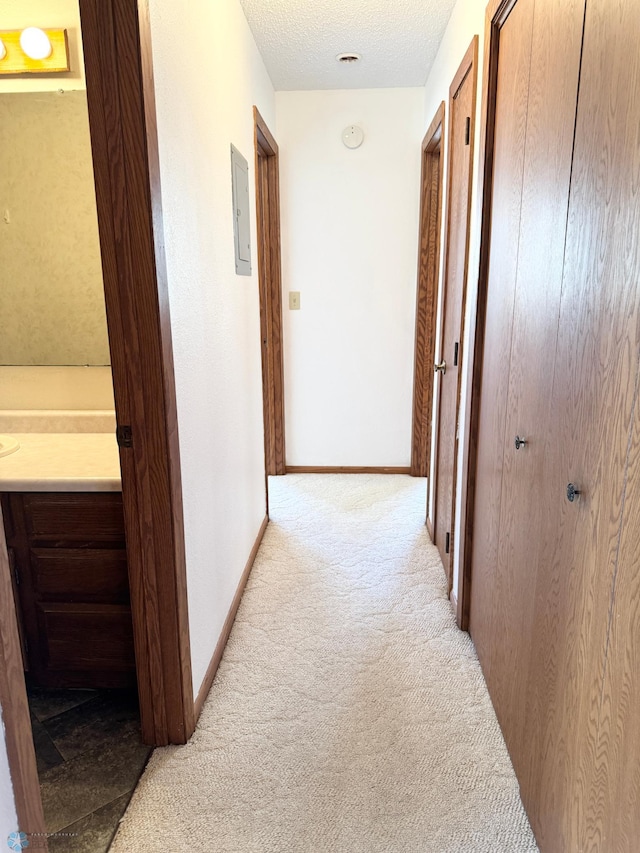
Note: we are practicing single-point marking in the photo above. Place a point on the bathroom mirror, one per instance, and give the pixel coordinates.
(51, 292)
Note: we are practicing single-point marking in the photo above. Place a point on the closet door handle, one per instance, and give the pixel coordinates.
(572, 493)
(440, 368)
(520, 442)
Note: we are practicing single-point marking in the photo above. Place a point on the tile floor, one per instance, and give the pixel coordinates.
(90, 758)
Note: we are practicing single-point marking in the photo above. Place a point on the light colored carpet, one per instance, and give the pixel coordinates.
(349, 714)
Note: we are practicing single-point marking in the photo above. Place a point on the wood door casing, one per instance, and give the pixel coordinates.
(427, 294)
(523, 524)
(270, 289)
(462, 108)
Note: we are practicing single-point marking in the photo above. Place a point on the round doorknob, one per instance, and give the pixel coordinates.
(440, 368)
(520, 442)
(572, 492)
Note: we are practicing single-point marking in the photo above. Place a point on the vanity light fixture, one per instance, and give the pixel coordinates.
(34, 50)
(35, 43)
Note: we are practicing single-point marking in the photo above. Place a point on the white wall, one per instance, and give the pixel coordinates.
(205, 96)
(48, 14)
(8, 819)
(350, 246)
(467, 20)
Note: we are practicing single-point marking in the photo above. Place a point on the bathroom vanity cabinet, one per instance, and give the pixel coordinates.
(69, 568)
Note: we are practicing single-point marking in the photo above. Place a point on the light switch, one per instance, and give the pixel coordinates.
(294, 300)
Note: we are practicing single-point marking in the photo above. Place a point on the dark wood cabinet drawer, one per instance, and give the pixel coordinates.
(80, 574)
(86, 637)
(74, 517)
(71, 587)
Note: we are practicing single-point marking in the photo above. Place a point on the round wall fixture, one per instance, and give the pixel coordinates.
(3, 50)
(353, 136)
(35, 43)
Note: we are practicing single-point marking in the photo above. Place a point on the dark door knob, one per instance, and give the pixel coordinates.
(572, 492)
(520, 442)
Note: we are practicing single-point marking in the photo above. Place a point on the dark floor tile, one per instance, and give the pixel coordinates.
(93, 779)
(47, 755)
(99, 723)
(50, 703)
(91, 834)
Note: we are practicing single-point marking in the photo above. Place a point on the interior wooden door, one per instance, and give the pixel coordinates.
(427, 295)
(526, 509)
(462, 103)
(509, 90)
(585, 687)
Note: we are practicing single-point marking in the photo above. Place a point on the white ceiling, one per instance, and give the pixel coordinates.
(299, 40)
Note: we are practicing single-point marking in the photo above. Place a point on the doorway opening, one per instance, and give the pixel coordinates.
(121, 108)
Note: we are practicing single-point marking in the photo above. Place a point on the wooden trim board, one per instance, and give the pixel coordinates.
(228, 624)
(345, 469)
(270, 291)
(15, 712)
(431, 183)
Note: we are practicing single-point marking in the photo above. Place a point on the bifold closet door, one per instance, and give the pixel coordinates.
(527, 508)
(536, 89)
(584, 694)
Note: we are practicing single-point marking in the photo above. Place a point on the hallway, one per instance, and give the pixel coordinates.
(349, 713)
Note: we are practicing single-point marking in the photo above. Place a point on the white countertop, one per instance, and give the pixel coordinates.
(62, 462)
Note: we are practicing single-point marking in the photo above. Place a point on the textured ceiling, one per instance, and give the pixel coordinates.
(299, 40)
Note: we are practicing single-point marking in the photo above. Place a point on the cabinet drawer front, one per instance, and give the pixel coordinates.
(87, 637)
(75, 517)
(80, 575)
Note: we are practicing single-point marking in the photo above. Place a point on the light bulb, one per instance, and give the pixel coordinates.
(35, 43)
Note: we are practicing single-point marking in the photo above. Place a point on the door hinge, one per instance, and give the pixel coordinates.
(467, 131)
(455, 353)
(124, 436)
(447, 543)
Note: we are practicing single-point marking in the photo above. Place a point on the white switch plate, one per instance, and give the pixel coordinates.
(294, 300)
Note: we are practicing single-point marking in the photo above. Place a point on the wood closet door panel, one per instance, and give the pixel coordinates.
(524, 525)
(609, 129)
(461, 119)
(587, 758)
(514, 62)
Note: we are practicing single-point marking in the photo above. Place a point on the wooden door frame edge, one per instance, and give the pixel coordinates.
(15, 711)
(270, 285)
(469, 64)
(496, 13)
(428, 280)
(122, 118)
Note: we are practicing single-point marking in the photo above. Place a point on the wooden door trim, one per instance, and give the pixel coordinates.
(427, 294)
(122, 119)
(496, 14)
(120, 95)
(267, 165)
(15, 710)
(469, 65)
